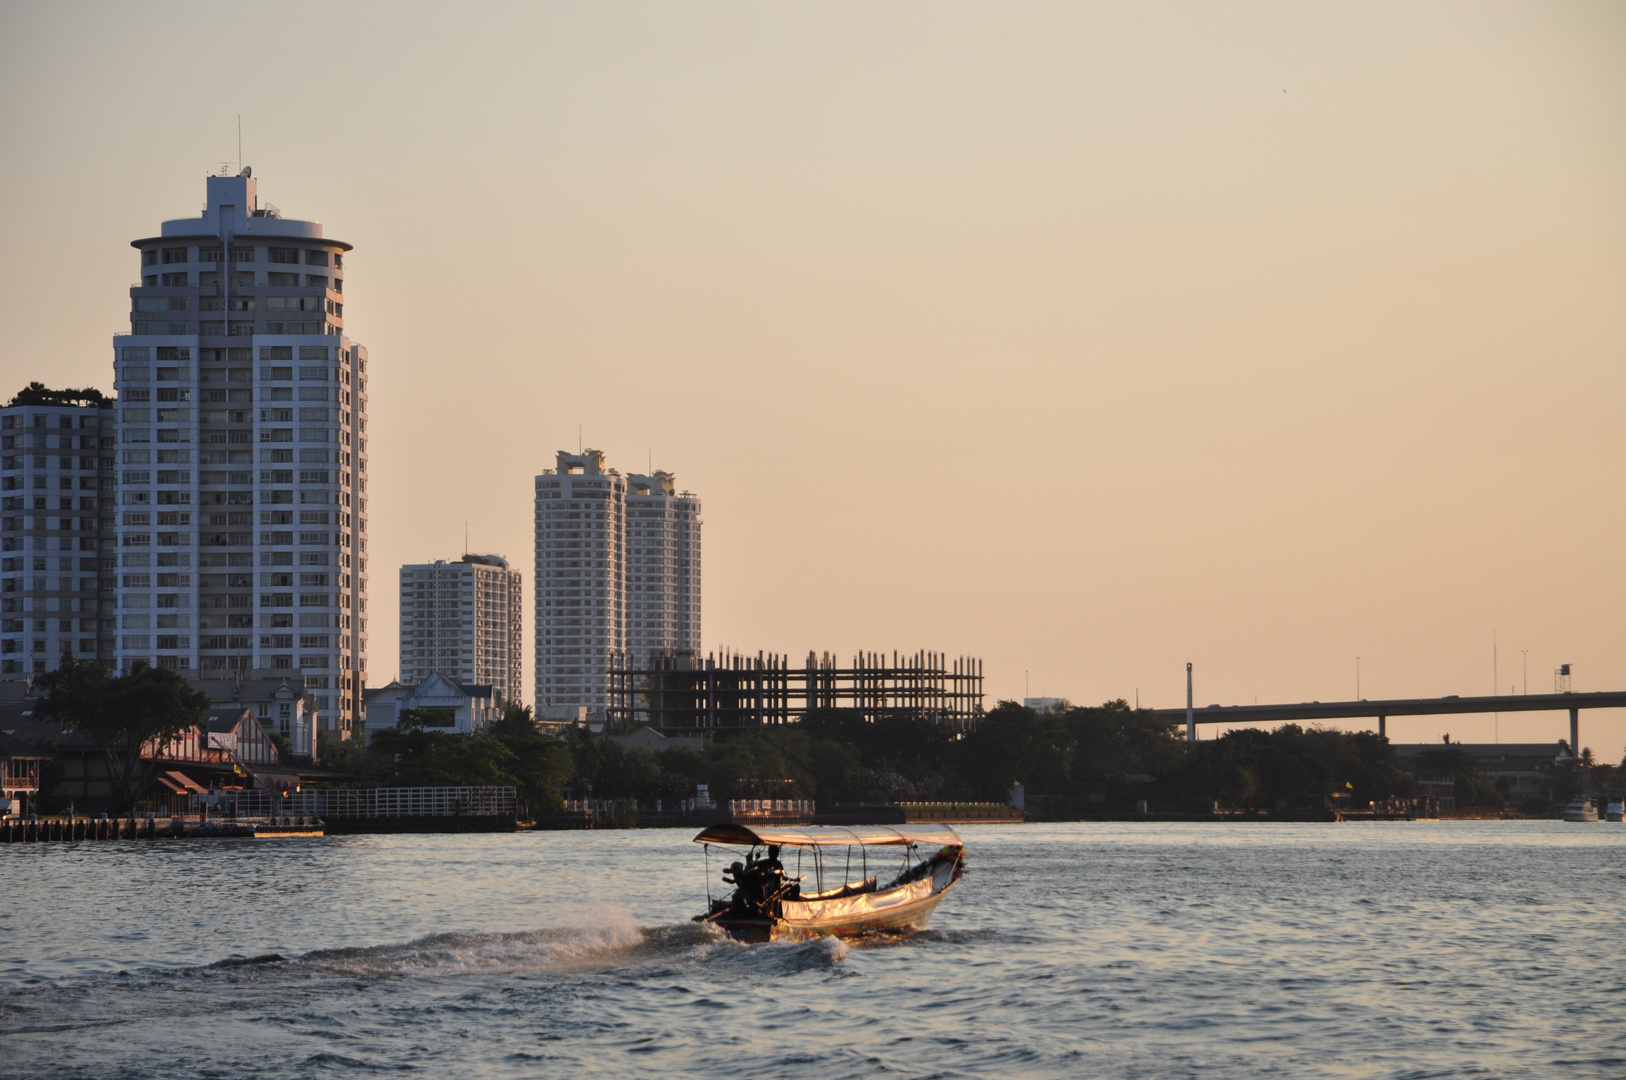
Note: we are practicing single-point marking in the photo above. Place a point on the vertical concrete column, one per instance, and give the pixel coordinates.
(1383, 726)
(1191, 722)
(1575, 732)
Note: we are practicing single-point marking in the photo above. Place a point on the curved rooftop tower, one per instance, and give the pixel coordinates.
(242, 455)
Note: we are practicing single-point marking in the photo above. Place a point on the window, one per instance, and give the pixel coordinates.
(316, 279)
(175, 255)
(315, 258)
(281, 281)
(283, 255)
(174, 281)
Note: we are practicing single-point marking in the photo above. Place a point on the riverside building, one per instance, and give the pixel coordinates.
(56, 530)
(242, 455)
(617, 572)
(463, 620)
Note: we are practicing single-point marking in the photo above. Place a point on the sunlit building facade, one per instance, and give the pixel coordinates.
(241, 529)
(462, 620)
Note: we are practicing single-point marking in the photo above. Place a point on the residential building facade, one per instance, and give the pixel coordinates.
(450, 706)
(617, 571)
(580, 612)
(464, 620)
(280, 704)
(663, 569)
(56, 530)
(242, 455)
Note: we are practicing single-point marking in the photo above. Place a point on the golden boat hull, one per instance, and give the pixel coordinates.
(897, 910)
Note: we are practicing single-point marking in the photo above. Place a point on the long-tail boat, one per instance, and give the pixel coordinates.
(819, 894)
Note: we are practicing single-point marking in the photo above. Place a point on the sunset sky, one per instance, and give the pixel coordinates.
(1088, 339)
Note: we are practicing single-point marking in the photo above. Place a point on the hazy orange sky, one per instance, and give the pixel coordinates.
(1087, 339)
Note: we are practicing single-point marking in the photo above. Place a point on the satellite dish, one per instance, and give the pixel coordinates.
(246, 173)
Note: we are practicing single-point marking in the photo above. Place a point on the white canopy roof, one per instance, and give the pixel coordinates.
(827, 835)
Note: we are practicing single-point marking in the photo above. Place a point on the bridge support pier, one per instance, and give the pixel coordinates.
(1575, 732)
(1191, 723)
(1383, 726)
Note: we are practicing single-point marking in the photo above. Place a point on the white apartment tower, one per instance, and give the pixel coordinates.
(663, 569)
(617, 576)
(580, 580)
(56, 530)
(462, 619)
(242, 455)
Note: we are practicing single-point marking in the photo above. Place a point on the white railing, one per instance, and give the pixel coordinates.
(479, 801)
(749, 807)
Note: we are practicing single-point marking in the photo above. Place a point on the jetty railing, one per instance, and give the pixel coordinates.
(477, 801)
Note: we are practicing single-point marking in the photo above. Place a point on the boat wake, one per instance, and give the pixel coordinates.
(617, 947)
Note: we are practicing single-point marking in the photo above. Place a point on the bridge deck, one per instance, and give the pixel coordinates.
(1335, 710)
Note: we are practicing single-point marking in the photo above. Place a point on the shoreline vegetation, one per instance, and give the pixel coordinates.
(1073, 763)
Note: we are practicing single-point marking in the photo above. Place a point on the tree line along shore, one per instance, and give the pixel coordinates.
(1072, 762)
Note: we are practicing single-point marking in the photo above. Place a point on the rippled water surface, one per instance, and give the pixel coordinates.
(1404, 949)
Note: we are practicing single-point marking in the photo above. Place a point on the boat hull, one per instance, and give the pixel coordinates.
(899, 910)
(1581, 810)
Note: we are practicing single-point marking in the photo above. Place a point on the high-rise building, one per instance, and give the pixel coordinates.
(663, 568)
(617, 572)
(462, 619)
(242, 455)
(580, 577)
(56, 530)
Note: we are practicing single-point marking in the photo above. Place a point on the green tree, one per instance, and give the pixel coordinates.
(124, 714)
(541, 764)
(410, 756)
(37, 393)
(1015, 744)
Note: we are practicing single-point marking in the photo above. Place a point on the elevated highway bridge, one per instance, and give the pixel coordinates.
(1381, 710)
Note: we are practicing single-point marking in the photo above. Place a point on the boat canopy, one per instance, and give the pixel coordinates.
(827, 835)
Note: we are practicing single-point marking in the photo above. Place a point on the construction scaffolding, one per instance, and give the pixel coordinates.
(680, 693)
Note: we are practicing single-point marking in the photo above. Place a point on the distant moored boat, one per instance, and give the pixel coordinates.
(1580, 809)
(1616, 811)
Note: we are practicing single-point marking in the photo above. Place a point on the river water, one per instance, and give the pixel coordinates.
(1418, 949)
